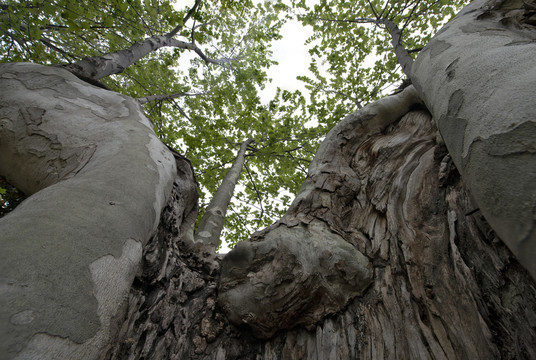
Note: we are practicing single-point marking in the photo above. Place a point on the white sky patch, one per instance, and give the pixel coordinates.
(293, 59)
(183, 4)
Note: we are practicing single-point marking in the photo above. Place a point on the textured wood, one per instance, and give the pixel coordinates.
(443, 283)
(303, 267)
(444, 286)
(477, 77)
(97, 178)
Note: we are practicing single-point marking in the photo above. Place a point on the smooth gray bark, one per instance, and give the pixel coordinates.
(98, 67)
(99, 178)
(477, 77)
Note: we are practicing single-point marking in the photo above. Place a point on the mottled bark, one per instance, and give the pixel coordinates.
(98, 178)
(383, 254)
(477, 77)
(443, 285)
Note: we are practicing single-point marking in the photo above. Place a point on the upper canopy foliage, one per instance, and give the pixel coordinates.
(212, 108)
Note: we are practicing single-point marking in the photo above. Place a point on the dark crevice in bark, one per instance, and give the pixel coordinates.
(172, 311)
(11, 198)
(427, 281)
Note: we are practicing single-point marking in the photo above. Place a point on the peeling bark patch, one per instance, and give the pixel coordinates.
(44, 81)
(451, 127)
(520, 140)
(483, 30)
(500, 165)
(33, 115)
(23, 318)
(455, 102)
(438, 48)
(451, 70)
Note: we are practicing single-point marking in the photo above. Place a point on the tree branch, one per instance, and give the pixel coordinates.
(402, 55)
(259, 199)
(97, 67)
(354, 99)
(211, 225)
(185, 19)
(48, 43)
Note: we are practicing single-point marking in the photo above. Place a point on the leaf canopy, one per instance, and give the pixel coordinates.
(212, 109)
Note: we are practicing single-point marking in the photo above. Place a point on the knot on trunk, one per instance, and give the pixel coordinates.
(293, 276)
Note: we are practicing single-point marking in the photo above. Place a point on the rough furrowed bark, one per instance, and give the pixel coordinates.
(98, 178)
(477, 77)
(172, 311)
(303, 268)
(443, 286)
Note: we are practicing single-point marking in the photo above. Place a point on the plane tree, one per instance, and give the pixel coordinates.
(410, 237)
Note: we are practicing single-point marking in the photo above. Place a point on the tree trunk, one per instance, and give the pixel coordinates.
(98, 179)
(477, 77)
(443, 285)
(383, 254)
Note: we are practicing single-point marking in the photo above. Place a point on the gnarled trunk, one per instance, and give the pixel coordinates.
(383, 254)
(442, 284)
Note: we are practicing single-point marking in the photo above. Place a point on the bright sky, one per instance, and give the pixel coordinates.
(293, 58)
(290, 52)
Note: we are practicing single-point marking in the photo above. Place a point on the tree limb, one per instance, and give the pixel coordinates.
(97, 67)
(402, 54)
(211, 225)
(259, 199)
(185, 19)
(354, 99)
